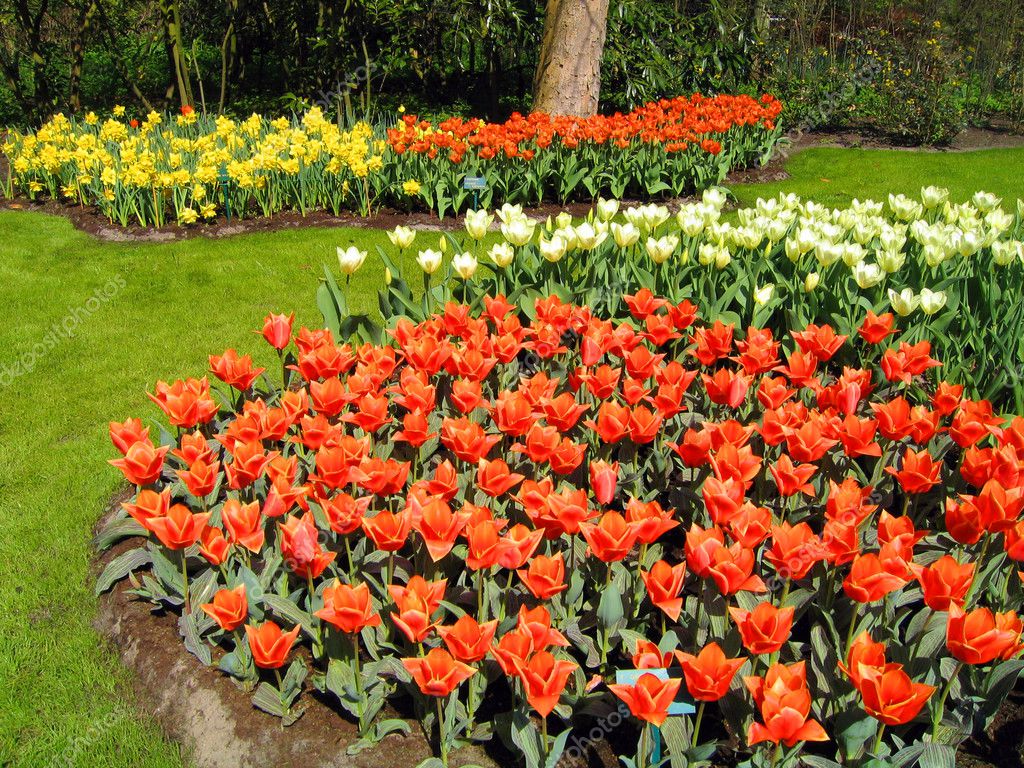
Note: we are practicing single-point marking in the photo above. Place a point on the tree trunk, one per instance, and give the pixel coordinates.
(568, 78)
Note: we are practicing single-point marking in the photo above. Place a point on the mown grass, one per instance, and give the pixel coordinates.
(65, 700)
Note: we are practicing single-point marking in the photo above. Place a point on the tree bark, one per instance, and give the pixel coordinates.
(568, 77)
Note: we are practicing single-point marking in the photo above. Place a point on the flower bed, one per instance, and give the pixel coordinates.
(663, 148)
(189, 167)
(489, 519)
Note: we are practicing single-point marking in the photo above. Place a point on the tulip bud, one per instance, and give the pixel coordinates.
(811, 281)
(625, 235)
(603, 480)
(554, 249)
(387, 276)
(764, 294)
(442, 244)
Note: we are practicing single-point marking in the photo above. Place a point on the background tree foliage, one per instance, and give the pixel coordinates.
(916, 70)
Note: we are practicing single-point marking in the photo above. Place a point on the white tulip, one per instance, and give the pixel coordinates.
(714, 196)
(811, 281)
(464, 265)
(402, 237)
(351, 259)
(518, 231)
(932, 301)
(606, 209)
(1004, 252)
(588, 238)
(625, 235)
(985, 201)
(904, 302)
(554, 249)
(502, 254)
(933, 197)
(764, 294)
(661, 250)
(891, 261)
(563, 220)
(867, 275)
(429, 260)
(477, 223)
(509, 212)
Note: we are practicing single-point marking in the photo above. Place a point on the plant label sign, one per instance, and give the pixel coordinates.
(474, 182)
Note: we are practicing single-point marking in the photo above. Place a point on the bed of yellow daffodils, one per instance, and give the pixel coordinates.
(157, 170)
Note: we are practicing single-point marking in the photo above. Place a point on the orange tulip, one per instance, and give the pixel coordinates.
(244, 524)
(388, 530)
(709, 674)
(494, 477)
(545, 576)
(438, 674)
(943, 582)
(785, 705)
(890, 696)
(649, 698)
(980, 636)
(277, 330)
(864, 654)
(764, 629)
(544, 679)
(664, 584)
(269, 645)
(416, 602)
(141, 463)
(229, 608)
(872, 576)
(347, 608)
(301, 549)
(179, 528)
(467, 640)
(611, 538)
(919, 473)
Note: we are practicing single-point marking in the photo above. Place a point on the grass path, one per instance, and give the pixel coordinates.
(64, 700)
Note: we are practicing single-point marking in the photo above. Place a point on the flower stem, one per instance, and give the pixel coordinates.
(696, 722)
(940, 708)
(184, 580)
(852, 629)
(441, 736)
(878, 739)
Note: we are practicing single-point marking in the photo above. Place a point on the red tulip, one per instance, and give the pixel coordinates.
(125, 434)
(244, 524)
(864, 654)
(872, 576)
(603, 479)
(876, 328)
(388, 530)
(919, 474)
(494, 477)
(301, 548)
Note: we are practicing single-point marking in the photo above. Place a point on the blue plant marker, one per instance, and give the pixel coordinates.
(475, 183)
(682, 705)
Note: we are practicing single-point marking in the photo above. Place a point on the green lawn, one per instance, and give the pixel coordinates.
(65, 699)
